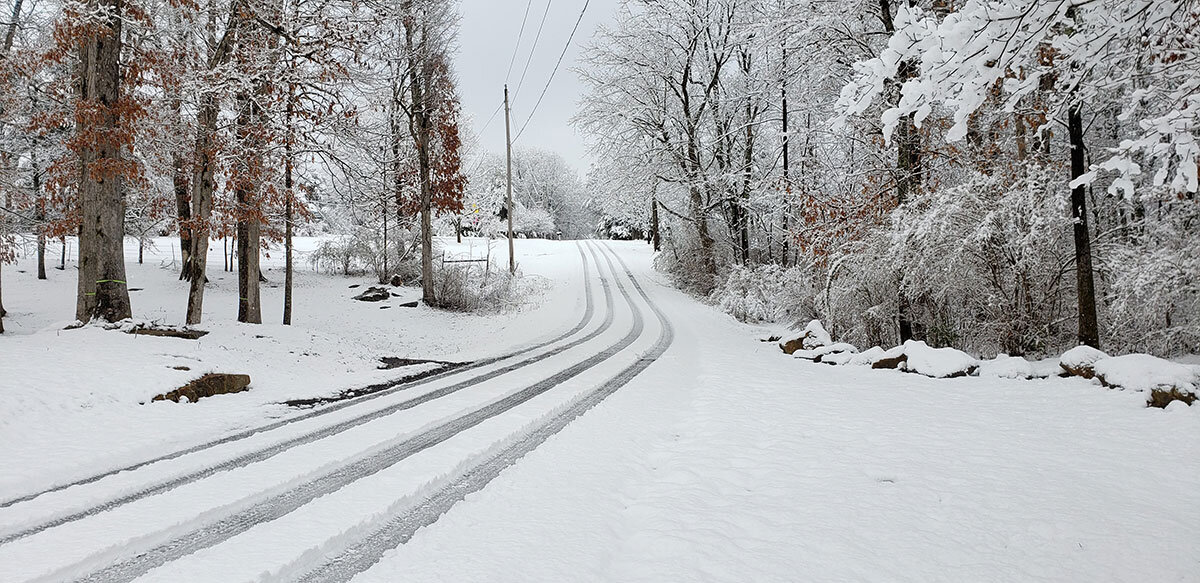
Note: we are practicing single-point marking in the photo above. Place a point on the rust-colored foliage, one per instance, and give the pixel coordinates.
(445, 156)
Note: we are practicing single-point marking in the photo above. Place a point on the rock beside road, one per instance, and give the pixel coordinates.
(207, 386)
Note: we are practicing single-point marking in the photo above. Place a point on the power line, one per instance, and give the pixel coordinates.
(517, 47)
(479, 163)
(553, 72)
(532, 49)
(489, 121)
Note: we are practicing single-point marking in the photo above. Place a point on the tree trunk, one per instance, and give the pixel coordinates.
(40, 203)
(288, 167)
(2, 312)
(385, 274)
(787, 179)
(102, 288)
(248, 208)
(746, 62)
(654, 235)
(41, 256)
(420, 78)
(202, 203)
(202, 173)
(908, 163)
(183, 209)
(1089, 329)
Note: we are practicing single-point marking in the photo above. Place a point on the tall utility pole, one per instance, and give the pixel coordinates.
(512, 262)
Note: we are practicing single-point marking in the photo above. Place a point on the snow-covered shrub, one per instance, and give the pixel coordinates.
(767, 293)
(859, 299)
(362, 251)
(985, 264)
(685, 265)
(533, 221)
(333, 256)
(1153, 276)
(465, 287)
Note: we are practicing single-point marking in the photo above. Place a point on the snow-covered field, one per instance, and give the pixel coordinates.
(93, 381)
(724, 460)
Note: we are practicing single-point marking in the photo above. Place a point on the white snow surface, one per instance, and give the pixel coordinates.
(835, 347)
(724, 461)
(937, 362)
(1143, 372)
(64, 391)
(1007, 367)
(867, 357)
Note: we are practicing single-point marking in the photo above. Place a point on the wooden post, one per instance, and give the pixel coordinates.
(508, 149)
(512, 263)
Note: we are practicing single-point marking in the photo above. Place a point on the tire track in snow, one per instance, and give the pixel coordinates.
(278, 505)
(273, 450)
(400, 529)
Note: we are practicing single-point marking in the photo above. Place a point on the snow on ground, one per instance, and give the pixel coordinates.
(64, 391)
(726, 460)
(729, 461)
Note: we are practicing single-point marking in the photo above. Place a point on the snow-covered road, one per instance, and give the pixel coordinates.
(653, 439)
(240, 507)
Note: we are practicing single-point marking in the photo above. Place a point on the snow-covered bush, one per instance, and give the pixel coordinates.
(1153, 277)
(612, 228)
(533, 221)
(685, 266)
(469, 288)
(859, 299)
(334, 256)
(363, 252)
(767, 293)
(982, 265)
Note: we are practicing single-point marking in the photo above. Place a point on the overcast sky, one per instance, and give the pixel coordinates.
(487, 39)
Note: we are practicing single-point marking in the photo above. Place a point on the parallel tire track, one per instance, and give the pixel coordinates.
(366, 552)
(403, 385)
(273, 450)
(285, 502)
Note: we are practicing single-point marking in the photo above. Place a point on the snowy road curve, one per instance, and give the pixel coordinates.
(414, 449)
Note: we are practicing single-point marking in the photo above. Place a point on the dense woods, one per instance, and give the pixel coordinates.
(1015, 176)
(242, 120)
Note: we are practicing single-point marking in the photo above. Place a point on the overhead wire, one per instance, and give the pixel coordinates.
(554, 71)
(532, 49)
(520, 35)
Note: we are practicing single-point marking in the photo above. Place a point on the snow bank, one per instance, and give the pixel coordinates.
(938, 362)
(867, 357)
(1080, 361)
(835, 348)
(1143, 372)
(1047, 367)
(838, 358)
(1007, 367)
